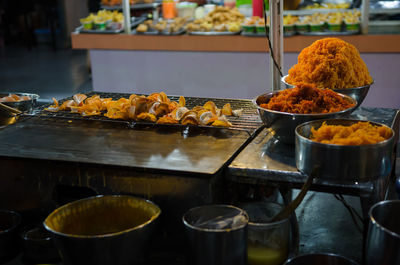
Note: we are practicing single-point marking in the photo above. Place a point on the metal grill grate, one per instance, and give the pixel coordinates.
(248, 121)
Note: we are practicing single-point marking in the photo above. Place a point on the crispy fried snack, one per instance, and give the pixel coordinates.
(330, 63)
(156, 107)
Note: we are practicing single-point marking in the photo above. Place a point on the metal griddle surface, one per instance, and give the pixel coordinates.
(184, 149)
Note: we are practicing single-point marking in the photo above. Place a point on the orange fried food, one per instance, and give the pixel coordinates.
(307, 99)
(156, 107)
(227, 110)
(79, 98)
(360, 133)
(223, 123)
(167, 120)
(67, 105)
(330, 63)
(145, 116)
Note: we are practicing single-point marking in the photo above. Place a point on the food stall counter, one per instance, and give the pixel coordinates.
(237, 43)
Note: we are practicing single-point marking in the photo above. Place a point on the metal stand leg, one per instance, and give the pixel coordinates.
(367, 200)
(294, 225)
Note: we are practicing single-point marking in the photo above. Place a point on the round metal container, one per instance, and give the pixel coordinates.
(9, 240)
(357, 93)
(383, 240)
(342, 162)
(210, 240)
(24, 105)
(283, 124)
(103, 230)
(38, 246)
(319, 259)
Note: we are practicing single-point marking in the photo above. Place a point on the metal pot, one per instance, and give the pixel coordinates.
(103, 230)
(9, 240)
(216, 235)
(383, 240)
(342, 162)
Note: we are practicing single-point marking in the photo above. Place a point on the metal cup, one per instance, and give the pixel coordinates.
(268, 242)
(383, 240)
(216, 235)
(9, 243)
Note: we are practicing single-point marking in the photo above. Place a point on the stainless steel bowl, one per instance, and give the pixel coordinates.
(24, 105)
(383, 239)
(357, 93)
(287, 85)
(103, 230)
(319, 259)
(283, 124)
(342, 162)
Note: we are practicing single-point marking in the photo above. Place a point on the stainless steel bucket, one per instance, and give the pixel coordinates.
(103, 230)
(342, 162)
(383, 240)
(214, 237)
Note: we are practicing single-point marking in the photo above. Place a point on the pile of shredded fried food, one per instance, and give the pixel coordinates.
(330, 63)
(156, 107)
(360, 133)
(307, 99)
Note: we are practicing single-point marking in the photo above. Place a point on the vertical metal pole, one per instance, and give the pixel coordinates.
(276, 37)
(364, 16)
(127, 16)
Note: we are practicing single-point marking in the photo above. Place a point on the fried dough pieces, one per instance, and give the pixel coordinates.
(156, 107)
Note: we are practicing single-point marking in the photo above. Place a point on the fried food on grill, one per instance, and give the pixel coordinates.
(330, 63)
(307, 99)
(167, 120)
(81, 104)
(156, 107)
(360, 133)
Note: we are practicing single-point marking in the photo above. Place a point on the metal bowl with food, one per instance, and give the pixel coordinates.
(283, 124)
(357, 93)
(103, 230)
(342, 162)
(24, 102)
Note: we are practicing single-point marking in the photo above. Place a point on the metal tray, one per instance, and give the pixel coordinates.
(135, 6)
(262, 34)
(330, 33)
(134, 23)
(214, 33)
(156, 32)
(253, 34)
